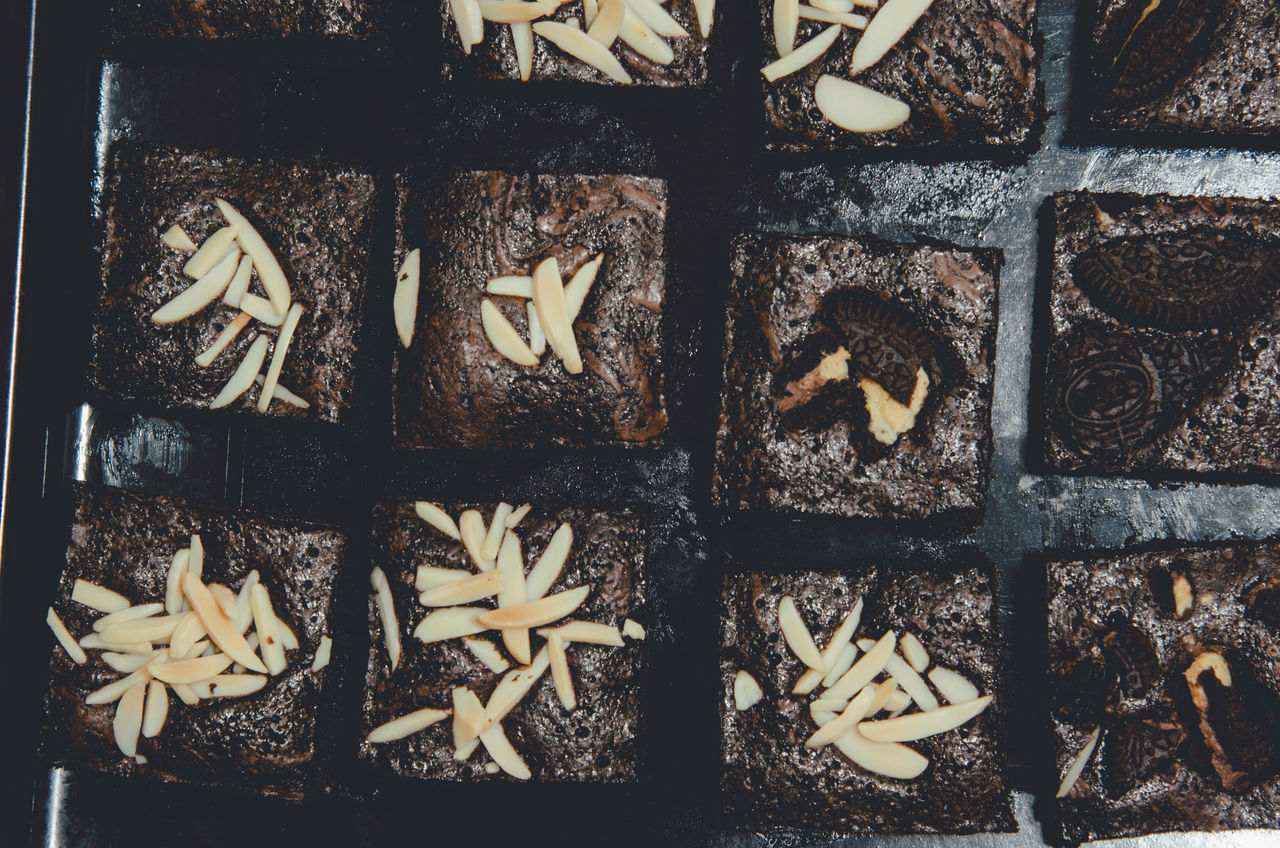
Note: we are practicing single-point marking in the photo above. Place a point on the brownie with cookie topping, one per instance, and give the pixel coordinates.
(453, 389)
(1163, 318)
(258, 20)
(857, 377)
(1173, 657)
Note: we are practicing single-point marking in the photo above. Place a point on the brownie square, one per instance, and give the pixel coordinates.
(600, 740)
(1163, 321)
(968, 69)
(263, 742)
(898, 308)
(452, 389)
(215, 20)
(1184, 67)
(316, 219)
(1124, 632)
(495, 57)
(769, 780)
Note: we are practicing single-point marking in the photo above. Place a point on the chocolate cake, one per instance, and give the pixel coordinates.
(1185, 67)
(1173, 655)
(599, 740)
(452, 389)
(968, 69)
(263, 20)
(794, 437)
(770, 780)
(317, 220)
(264, 742)
(1163, 328)
(494, 58)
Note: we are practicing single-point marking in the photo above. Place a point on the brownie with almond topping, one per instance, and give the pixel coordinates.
(794, 437)
(600, 741)
(264, 742)
(1174, 655)
(451, 387)
(769, 779)
(258, 20)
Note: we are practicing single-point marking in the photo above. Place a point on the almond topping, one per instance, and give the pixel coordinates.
(485, 651)
(587, 632)
(281, 393)
(242, 379)
(640, 38)
(131, 614)
(186, 634)
(560, 672)
(126, 663)
(94, 641)
(186, 694)
(470, 23)
(239, 285)
(955, 688)
(548, 297)
(499, 747)
(269, 636)
(470, 588)
(269, 272)
(231, 685)
(211, 252)
(886, 29)
(842, 637)
(97, 597)
(806, 54)
(405, 302)
(177, 238)
(786, 19)
(65, 638)
(513, 686)
(857, 108)
(225, 598)
(244, 608)
(807, 682)
(406, 725)
(911, 682)
(842, 663)
(189, 671)
(657, 18)
(323, 653)
(827, 705)
(430, 576)
(387, 614)
(195, 556)
(865, 669)
(746, 691)
(797, 635)
(512, 11)
(843, 723)
(114, 690)
(833, 5)
(919, 725)
(547, 569)
(535, 613)
(469, 720)
(522, 38)
(156, 710)
(437, 518)
(493, 538)
(511, 569)
(605, 26)
(575, 294)
(449, 623)
(633, 629)
(537, 337)
(914, 652)
(217, 625)
(897, 702)
(471, 528)
(810, 13)
(153, 629)
(510, 286)
(517, 515)
(277, 356)
(887, 758)
(706, 11)
(226, 337)
(578, 44)
(1077, 765)
(884, 692)
(128, 719)
(173, 589)
(199, 294)
(260, 309)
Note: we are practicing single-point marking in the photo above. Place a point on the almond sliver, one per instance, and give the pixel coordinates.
(93, 641)
(466, 15)
(498, 526)
(586, 632)
(510, 286)
(242, 379)
(499, 747)
(232, 685)
(919, 725)
(126, 663)
(537, 338)
(857, 108)
(244, 607)
(807, 682)
(804, 55)
(406, 725)
(511, 11)
(746, 691)
(846, 19)
(437, 518)
(640, 38)
(522, 38)
(607, 23)
(195, 556)
(547, 569)
(278, 352)
(887, 758)
(185, 636)
(154, 629)
(575, 293)
(449, 623)
(485, 651)
(130, 614)
(387, 614)
(786, 19)
(269, 272)
(269, 637)
(156, 710)
(471, 588)
(177, 238)
(843, 723)
(199, 294)
(430, 577)
(323, 653)
(865, 669)
(115, 690)
(914, 652)
(954, 687)
(173, 588)
(517, 515)
(189, 671)
(469, 719)
(535, 613)
(128, 719)
(471, 528)
(560, 675)
(98, 597)
(1077, 765)
(797, 635)
(633, 629)
(503, 336)
(211, 252)
(281, 393)
(548, 297)
(656, 18)
(706, 11)
(842, 663)
(578, 44)
(217, 625)
(511, 568)
(894, 19)
(260, 309)
(226, 337)
(65, 638)
(239, 285)
(911, 682)
(513, 686)
(404, 305)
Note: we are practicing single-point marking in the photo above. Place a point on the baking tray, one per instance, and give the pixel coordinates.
(381, 105)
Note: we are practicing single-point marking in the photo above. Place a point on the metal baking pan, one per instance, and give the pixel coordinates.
(381, 105)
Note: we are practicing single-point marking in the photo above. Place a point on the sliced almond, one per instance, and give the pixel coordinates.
(128, 719)
(746, 691)
(231, 685)
(517, 515)
(810, 13)
(511, 569)
(287, 637)
(955, 688)
(633, 629)
(470, 23)
(887, 758)
(804, 55)
(185, 636)
(884, 693)
(843, 662)
(430, 577)
(486, 584)
(270, 274)
(244, 607)
(911, 682)
(535, 613)
(512, 11)
(606, 25)
(786, 20)
(827, 705)
(522, 38)
(865, 669)
(281, 393)
(919, 725)
(126, 663)
(323, 652)
(65, 639)
(513, 687)
(217, 625)
(406, 725)
(843, 723)
(154, 629)
(590, 8)
(503, 336)
(575, 293)
(405, 303)
(578, 44)
(242, 379)
(239, 285)
(842, 637)
(547, 569)
(387, 614)
(278, 352)
(226, 337)
(93, 642)
(637, 35)
(189, 671)
(898, 701)
(471, 528)
(548, 297)
(215, 247)
(886, 29)
(499, 747)
(195, 556)
(225, 598)
(807, 682)
(469, 719)
(706, 11)
(498, 526)
(130, 614)
(115, 690)
(156, 710)
(587, 632)
(186, 694)
(834, 5)
(437, 518)
(656, 18)
(1077, 765)
(260, 309)
(510, 286)
(560, 675)
(98, 597)
(914, 652)
(485, 651)
(177, 238)
(199, 294)
(449, 623)
(537, 338)
(173, 588)
(269, 636)
(798, 637)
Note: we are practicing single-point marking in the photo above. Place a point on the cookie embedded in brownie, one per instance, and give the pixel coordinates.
(961, 74)
(526, 623)
(258, 20)
(223, 277)
(1163, 320)
(536, 317)
(1164, 688)
(605, 42)
(1186, 68)
(124, 600)
(863, 701)
(857, 377)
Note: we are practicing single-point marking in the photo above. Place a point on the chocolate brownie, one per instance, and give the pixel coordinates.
(1175, 655)
(452, 389)
(770, 780)
(968, 69)
(794, 438)
(495, 57)
(599, 741)
(1185, 67)
(264, 742)
(1163, 327)
(317, 220)
(207, 20)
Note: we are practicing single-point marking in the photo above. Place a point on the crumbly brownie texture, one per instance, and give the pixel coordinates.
(1118, 654)
(597, 742)
(1164, 324)
(968, 69)
(770, 780)
(264, 742)
(317, 221)
(1187, 66)
(452, 389)
(942, 298)
(209, 20)
(495, 57)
